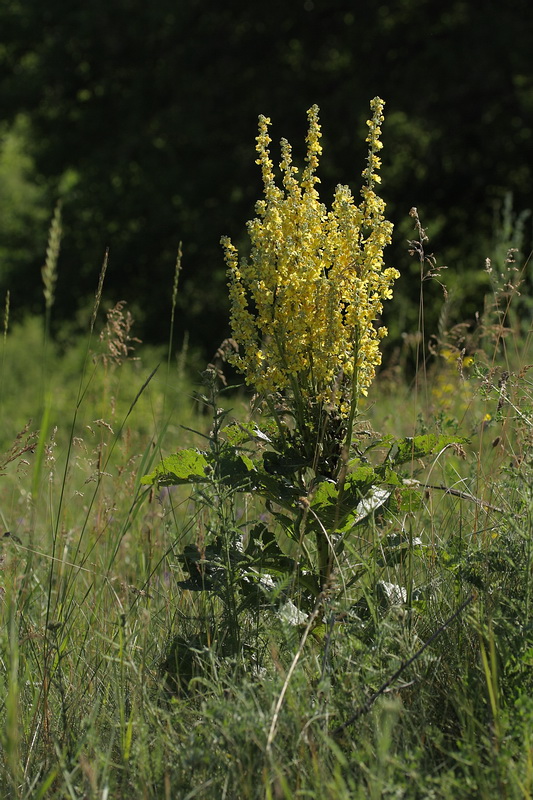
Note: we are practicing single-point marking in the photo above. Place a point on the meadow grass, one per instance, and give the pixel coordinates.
(159, 635)
(119, 680)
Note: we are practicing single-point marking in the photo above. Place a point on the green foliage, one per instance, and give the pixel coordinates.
(239, 461)
(24, 208)
(179, 163)
(185, 466)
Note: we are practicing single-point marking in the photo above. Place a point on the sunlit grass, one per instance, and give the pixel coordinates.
(93, 610)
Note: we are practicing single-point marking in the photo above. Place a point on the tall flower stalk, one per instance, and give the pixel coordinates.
(304, 303)
(305, 308)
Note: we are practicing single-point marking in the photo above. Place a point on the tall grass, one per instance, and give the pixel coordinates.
(121, 678)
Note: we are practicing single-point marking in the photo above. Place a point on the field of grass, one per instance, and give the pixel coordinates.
(125, 676)
(309, 593)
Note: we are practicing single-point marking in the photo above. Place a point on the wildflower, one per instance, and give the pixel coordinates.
(303, 304)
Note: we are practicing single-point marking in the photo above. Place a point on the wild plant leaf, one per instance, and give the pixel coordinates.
(234, 468)
(325, 494)
(410, 447)
(388, 476)
(287, 464)
(263, 545)
(405, 499)
(377, 497)
(319, 632)
(278, 490)
(261, 435)
(185, 466)
(287, 523)
(359, 481)
(259, 539)
(199, 566)
(336, 509)
(247, 462)
(268, 560)
(275, 565)
(239, 433)
(377, 443)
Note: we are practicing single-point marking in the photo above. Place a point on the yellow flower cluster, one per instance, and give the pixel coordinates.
(304, 302)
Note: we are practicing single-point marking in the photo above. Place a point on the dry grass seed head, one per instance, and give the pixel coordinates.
(116, 335)
(25, 442)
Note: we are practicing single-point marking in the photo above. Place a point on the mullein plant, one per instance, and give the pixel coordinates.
(304, 312)
(304, 307)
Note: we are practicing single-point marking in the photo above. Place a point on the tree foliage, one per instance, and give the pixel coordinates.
(143, 115)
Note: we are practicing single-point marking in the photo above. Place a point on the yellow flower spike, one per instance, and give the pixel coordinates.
(304, 303)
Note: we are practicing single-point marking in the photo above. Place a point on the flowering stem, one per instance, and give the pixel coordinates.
(303, 308)
(354, 400)
(275, 416)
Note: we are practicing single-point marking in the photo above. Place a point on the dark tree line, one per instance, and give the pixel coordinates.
(143, 117)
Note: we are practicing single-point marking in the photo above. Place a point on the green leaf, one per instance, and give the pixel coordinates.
(336, 510)
(239, 433)
(405, 500)
(286, 464)
(325, 494)
(278, 490)
(264, 551)
(287, 523)
(185, 466)
(235, 468)
(410, 448)
(236, 434)
(388, 476)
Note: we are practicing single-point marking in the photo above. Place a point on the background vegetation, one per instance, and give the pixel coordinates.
(141, 119)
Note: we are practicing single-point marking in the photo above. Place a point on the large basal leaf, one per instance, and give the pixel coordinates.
(413, 447)
(278, 490)
(185, 466)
